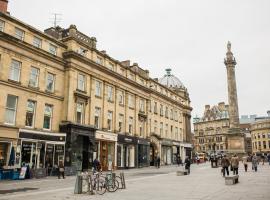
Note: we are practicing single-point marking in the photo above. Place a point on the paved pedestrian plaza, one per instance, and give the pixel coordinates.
(151, 183)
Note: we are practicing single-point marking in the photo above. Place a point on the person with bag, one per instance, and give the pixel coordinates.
(245, 162)
(225, 163)
(61, 170)
(235, 164)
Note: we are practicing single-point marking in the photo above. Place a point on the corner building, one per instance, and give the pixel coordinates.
(58, 89)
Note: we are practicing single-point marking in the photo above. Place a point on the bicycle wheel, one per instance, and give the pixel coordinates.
(100, 186)
(112, 185)
(119, 181)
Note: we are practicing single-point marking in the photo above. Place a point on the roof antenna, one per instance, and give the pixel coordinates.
(55, 20)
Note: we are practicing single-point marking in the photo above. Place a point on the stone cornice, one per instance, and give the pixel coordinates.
(32, 29)
(72, 54)
(28, 89)
(30, 48)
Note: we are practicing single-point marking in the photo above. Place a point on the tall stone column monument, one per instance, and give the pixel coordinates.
(235, 140)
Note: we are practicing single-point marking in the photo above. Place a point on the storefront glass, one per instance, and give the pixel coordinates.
(4, 148)
(28, 156)
(107, 154)
(143, 152)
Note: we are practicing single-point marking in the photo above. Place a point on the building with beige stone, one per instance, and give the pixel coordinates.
(210, 131)
(62, 99)
(260, 135)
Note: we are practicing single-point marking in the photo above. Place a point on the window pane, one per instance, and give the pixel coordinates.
(37, 42)
(15, 69)
(19, 33)
(50, 82)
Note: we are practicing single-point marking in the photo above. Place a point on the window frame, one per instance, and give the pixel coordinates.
(53, 85)
(37, 77)
(83, 81)
(51, 47)
(37, 44)
(34, 113)
(110, 91)
(51, 116)
(99, 94)
(13, 67)
(2, 28)
(18, 36)
(98, 117)
(81, 113)
(13, 109)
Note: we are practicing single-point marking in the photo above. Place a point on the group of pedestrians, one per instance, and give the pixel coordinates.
(233, 163)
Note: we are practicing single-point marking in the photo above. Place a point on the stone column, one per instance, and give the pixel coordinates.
(232, 91)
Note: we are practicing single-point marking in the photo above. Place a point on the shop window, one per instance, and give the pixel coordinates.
(50, 82)
(47, 117)
(97, 117)
(98, 88)
(4, 150)
(110, 93)
(30, 113)
(34, 75)
(79, 112)
(37, 42)
(15, 70)
(81, 82)
(11, 108)
(109, 120)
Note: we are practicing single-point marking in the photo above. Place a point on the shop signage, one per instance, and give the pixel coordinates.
(127, 139)
(176, 143)
(23, 173)
(45, 137)
(83, 132)
(106, 136)
(143, 141)
(166, 142)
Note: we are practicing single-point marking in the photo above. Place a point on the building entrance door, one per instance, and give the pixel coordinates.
(107, 155)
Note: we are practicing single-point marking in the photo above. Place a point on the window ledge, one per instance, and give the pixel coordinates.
(82, 91)
(110, 101)
(99, 97)
(16, 82)
(33, 87)
(121, 104)
(48, 91)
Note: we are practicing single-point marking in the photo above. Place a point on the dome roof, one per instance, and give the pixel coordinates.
(170, 80)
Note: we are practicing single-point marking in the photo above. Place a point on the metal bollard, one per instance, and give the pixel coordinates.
(78, 185)
(123, 180)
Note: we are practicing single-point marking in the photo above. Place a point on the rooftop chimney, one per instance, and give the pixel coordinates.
(3, 6)
(126, 63)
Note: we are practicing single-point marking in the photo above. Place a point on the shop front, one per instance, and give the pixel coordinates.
(105, 150)
(155, 148)
(8, 141)
(40, 150)
(143, 152)
(80, 145)
(166, 152)
(175, 151)
(126, 151)
(185, 150)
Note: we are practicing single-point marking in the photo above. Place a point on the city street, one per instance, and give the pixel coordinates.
(151, 183)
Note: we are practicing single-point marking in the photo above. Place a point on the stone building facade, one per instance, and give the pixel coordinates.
(62, 99)
(210, 131)
(260, 135)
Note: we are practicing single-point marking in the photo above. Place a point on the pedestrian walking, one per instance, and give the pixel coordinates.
(178, 160)
(187, 164)
(254, 162)
(157, 161)
(61, 170)
(268, 157)
(245, 162)
(235, 164)
(225, 163)
(96, 166)
(262, 158)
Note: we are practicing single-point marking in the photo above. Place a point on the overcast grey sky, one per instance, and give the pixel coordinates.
(187, 36)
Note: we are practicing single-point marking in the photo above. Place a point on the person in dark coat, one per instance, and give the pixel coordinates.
(187, 164)
(96, 165)
(61, 170)
(225, 163)
(157, 161)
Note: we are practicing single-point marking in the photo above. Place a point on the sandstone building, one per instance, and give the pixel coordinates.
(62, 99)
(260, 135)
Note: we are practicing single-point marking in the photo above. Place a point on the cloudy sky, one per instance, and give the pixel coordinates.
(189, 37)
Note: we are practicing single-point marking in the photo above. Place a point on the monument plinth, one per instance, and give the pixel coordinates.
(236, 143)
